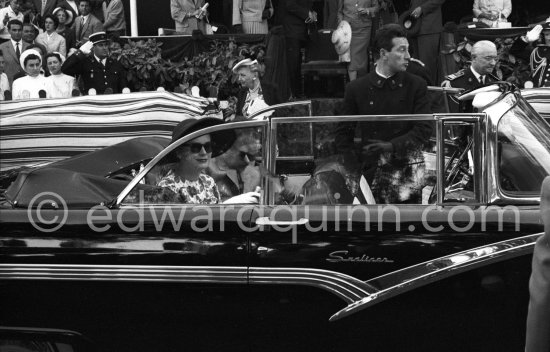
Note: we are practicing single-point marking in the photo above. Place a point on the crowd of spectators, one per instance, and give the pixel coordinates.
(62, 27)
(54, 30)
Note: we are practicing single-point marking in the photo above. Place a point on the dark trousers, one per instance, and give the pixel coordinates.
(294, 64)
(426, 49)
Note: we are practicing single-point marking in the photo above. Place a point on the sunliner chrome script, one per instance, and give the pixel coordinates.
(342, 256)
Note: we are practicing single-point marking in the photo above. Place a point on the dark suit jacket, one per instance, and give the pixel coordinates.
(94, 74)
(293, 14)
(403, 93)
(538, 318)
(12, 65)
(50, 6)
(82, 33)
(432, 22)
(269, 91)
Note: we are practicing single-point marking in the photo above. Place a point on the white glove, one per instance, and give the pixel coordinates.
(245, 198)
(534, 34)
(86, 48)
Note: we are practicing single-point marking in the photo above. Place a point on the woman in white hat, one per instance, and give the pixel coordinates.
(58, 84)
(33, 85)
(359, 14)
(65, 18)
(256, 94)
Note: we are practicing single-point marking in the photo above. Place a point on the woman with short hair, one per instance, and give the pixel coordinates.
(50, 38)
(256, 94)
(59, 85)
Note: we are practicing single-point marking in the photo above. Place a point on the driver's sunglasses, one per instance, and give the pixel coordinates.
(251, 157)
(197, 147)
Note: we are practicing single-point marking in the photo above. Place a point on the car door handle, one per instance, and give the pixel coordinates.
(266, 221)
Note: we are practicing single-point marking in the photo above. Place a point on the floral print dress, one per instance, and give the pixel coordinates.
(201, 191)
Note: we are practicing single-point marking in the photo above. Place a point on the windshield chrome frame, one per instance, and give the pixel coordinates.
(284, 105)
(495, 193)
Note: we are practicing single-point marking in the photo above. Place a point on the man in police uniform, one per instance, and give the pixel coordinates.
(484, 60)
(539, 57)
(97, 71)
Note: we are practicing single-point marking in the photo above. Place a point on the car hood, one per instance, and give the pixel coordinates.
(82, 181)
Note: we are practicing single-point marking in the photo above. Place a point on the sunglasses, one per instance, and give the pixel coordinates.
(197, 147)
(245, 154)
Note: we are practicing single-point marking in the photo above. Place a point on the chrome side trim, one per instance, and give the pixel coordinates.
(344, 286)
(183, 274)
(419, 275)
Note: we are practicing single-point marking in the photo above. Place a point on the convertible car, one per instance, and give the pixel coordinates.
(425, 248)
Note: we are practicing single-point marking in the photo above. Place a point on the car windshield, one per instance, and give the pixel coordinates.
(523, 150)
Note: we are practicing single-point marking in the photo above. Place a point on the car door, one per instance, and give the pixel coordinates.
(318, 235)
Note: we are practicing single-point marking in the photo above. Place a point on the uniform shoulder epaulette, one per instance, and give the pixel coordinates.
(455, 75)
(417, 61)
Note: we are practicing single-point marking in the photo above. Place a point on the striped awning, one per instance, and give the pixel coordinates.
(35, 132)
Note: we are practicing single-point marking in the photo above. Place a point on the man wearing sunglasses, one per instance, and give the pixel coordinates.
(234, 171)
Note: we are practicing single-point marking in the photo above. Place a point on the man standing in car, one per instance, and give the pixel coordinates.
(387, 90)
(97, 71)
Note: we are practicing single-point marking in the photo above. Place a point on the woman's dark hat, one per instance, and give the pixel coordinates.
(221, 140)
(191, 125)
(410, 23)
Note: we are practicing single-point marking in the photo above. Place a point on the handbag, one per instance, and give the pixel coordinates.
(266, 13)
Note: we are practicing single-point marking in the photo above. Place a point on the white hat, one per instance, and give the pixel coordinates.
(69, 14)
(60, 55)
(243, 63)
(26, 53)
(341, 37)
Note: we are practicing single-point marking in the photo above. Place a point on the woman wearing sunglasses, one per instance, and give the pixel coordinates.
(186, 178)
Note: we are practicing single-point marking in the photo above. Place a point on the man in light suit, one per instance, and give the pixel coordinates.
(114, 24)
(426, 44)
(538, 318)
(9, 49)
(86, 24)
(187, 15)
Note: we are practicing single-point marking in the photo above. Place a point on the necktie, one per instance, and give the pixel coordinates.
(43, 7)
(17, 51)
(481, 79)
